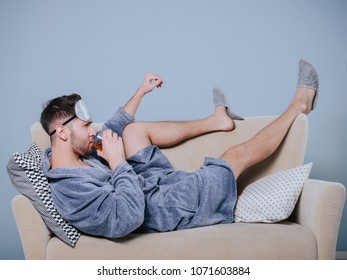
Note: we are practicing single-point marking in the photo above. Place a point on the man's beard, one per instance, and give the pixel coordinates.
(80, 147)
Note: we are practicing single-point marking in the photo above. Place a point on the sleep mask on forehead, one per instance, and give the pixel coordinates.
(81, 112)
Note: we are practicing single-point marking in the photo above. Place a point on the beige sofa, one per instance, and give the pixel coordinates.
(310, 232)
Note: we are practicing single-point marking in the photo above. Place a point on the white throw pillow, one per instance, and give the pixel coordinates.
(272, 198)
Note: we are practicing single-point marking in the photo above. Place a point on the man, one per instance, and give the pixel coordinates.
(131, 185)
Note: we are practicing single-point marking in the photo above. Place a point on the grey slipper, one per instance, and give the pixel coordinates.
(219, 99)
(308, 78)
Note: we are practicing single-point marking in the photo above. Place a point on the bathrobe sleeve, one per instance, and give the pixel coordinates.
(118, 121)
(100, 203)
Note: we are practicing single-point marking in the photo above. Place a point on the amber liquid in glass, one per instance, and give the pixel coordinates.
(98, 146)
(98, 142)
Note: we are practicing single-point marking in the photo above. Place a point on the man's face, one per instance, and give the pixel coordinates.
(82, 137)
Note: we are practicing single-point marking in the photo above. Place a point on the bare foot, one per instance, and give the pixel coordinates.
(222, 119)
(305, 97)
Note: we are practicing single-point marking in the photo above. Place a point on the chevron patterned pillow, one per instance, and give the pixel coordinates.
(27, 178)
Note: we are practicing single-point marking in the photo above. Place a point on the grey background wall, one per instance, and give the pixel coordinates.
(102, 49)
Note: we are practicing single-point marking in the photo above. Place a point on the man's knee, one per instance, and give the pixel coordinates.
(132, 130)
(135, 138)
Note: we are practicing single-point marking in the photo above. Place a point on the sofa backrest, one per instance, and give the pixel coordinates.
(190, 154)
(291, 153)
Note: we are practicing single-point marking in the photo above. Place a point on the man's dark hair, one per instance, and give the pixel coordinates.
(57, 109)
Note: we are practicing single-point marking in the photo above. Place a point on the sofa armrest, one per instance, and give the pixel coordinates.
(320, 209)
(32, 230)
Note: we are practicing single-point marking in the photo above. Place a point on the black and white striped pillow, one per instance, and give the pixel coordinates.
(25, 171)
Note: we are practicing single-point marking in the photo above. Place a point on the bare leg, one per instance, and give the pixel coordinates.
(265, 142)
(169, 133)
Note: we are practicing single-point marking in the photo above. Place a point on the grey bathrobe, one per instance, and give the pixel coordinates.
(143, 193)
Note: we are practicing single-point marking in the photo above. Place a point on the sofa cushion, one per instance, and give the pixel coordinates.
(238, 241)
(27, 177)
(272, 198)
